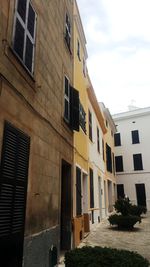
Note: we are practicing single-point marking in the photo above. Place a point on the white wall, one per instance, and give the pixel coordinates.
(130, 177)
(98, 166)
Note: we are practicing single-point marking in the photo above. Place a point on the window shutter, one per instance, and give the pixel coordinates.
(74, 109)
(78, 192)
(13, 183)
(119, 163)
(108, 158)
(91, 189)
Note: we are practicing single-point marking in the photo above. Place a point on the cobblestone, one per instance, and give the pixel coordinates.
(137, 240)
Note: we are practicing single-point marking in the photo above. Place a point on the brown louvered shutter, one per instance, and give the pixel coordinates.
(74, 109)
(13, 186)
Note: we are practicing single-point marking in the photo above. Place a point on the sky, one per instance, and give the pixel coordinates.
(118, 44)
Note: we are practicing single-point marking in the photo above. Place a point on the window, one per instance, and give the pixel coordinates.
(108, 158)
(71, 105)
(67, 100)
(135, 137)
(78, 192)
(91, 189)
(84, 67)
(106, 123)
(120, 191)
(98, 141)
(78, 49)
(137, 160)
(119, 163)
(68, 32)
(24, 33)
(82, 118)
(103, 149)
(117, 139)
(13, 185)
(113, 157)
(90, 125)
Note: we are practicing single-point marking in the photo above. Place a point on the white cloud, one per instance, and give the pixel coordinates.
(118, 37)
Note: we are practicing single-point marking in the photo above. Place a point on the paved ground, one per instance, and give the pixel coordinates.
(136, 240)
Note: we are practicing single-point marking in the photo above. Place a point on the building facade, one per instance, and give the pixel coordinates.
(37, 119)
(132, 155)
(108, 154)
(96, 164)
(80, 199)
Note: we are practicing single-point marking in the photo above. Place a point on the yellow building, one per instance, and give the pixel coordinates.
(108, 146)
(80, 185)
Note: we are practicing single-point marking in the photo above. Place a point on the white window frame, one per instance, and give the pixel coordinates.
(67, 29)
(27, 33)
(67, 98)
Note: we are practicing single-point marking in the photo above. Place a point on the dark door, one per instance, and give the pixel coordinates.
(66, 228)
(13, 189)
(140, 194)
(120, 191)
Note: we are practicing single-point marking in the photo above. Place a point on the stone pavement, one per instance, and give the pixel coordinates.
(136, 240)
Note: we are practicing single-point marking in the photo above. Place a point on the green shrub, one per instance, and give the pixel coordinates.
(124, 222)
(137, 210)
(103, 257)
(123, 206)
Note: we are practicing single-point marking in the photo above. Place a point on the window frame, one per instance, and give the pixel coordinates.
(116, 167)
(26, 34)
(68, 31)
(90, 126)
(135, 137)
(67, 98)
(135, 162)
(98, 140)
(117, 139)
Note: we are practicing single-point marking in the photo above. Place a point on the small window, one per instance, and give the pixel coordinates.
(71, 105)
(117, 139)
(106, 123)
(82, 118)
(84, 67)
(135, 137)
(120, 191)
(91, 189)
(67, 100)
(90, 125)
(78, 192)
(108, 158)
(119, 163)
(24, 33)
(103, 150)
(98, 141)
(137, 161)
(78, 49)
(68, 32)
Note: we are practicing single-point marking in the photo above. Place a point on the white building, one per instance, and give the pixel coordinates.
(132, 155)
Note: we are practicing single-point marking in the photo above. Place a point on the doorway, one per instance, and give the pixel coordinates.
(66, 226)
(13, 191)
(141, 194)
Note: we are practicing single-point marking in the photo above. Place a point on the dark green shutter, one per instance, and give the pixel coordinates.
(74, 109)
(13, 186)
(78, 192)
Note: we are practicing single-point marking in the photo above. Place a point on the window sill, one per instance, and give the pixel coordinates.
(20, 67)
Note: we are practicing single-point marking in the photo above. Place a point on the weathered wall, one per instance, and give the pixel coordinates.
(35, 105)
